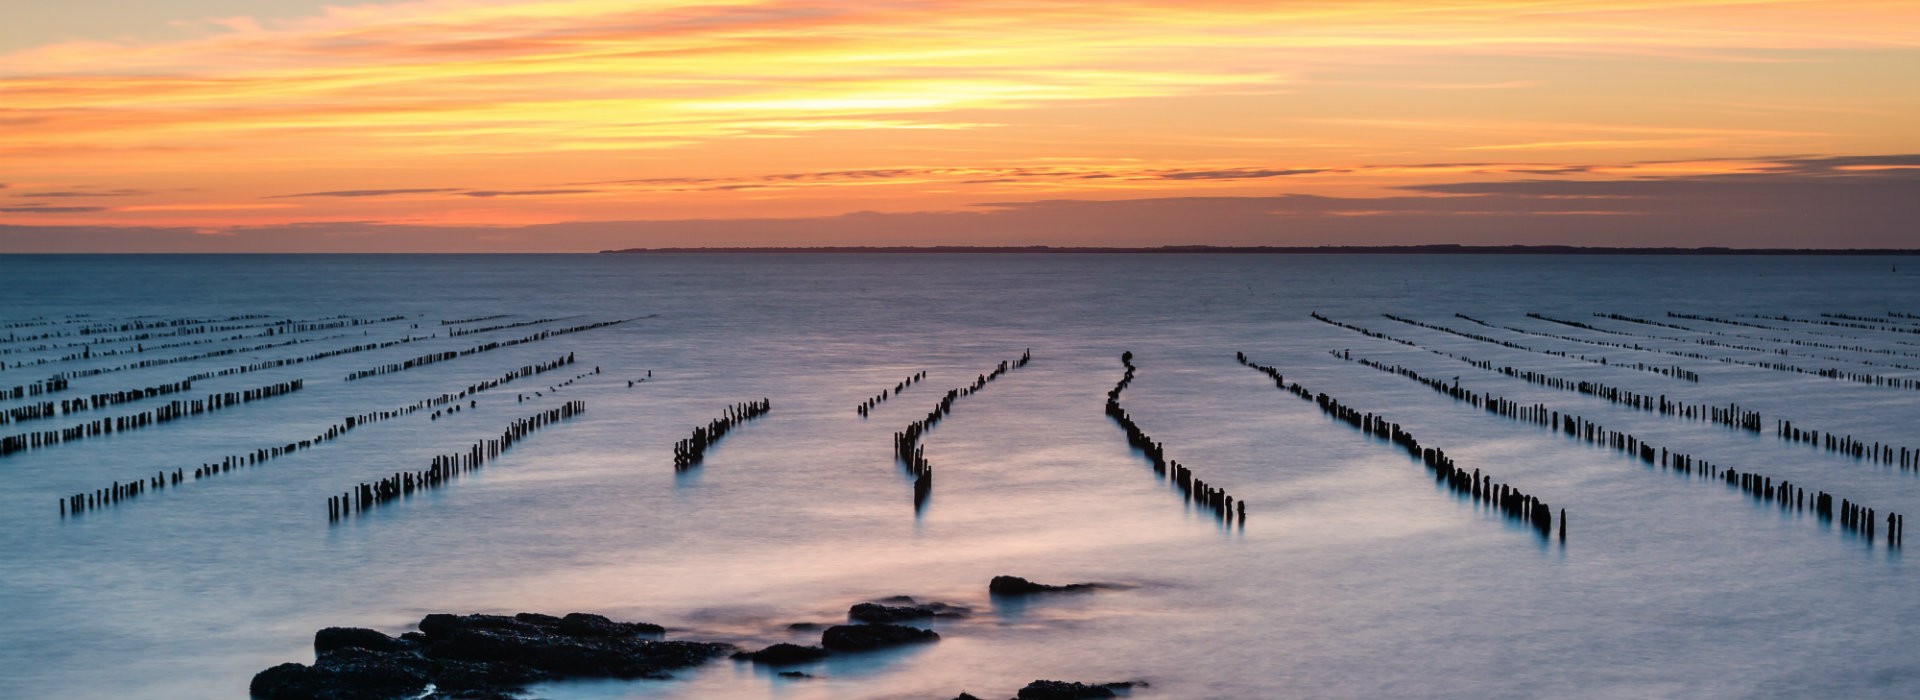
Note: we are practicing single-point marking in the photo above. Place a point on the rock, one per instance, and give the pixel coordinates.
(333, 638)
(804, 626)
(796, 675)
(589, 625)
(1014, 585)
(873, 612)
(965, 696)
(1064, 690)
(477, 657)
(869, 637)
(784, 653)
(347, 678)
(879, 611)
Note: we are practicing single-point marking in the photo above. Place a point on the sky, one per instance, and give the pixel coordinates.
(581, 125)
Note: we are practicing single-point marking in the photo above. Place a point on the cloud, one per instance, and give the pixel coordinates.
(40, 209)
(369, 193)
(1772, 209)
(86, 193)
(522, 193)
(1239, 174)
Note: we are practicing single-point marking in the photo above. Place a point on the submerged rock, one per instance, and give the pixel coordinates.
(877, 612)
(1014, 585)
(784, 653)
(869, 637)
(1066, 690)
(477, 656)
(333, 638)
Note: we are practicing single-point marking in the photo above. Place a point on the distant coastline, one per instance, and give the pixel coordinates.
(1434, 249)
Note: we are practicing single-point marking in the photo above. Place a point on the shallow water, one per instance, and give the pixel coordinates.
(1354, 574)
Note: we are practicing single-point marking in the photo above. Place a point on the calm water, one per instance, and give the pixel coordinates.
(1354, 576)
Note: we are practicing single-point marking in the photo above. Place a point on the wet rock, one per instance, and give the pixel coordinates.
(784, 653)
(874, 612)
(965, 696)
(1014, 585)
(869, 637)
(795, 675)
(333, 638)
(477, 657)
(803, 626)
(1066, 690)
(590, 625)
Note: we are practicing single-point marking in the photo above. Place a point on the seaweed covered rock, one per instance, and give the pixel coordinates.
(869, 637)
(784, 653)
(1014, 585)
(1068, 690)
(477, 656)
(904, 609)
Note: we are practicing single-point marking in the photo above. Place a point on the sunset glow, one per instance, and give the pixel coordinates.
(454, 116)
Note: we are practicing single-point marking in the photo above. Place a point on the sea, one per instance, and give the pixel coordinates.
(1353, 574)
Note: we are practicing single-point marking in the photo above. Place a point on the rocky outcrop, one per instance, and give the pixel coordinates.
(783, 653)
(477, 656)
(1067, 690)
(902, 608)
(870, 637)
(1014, 585)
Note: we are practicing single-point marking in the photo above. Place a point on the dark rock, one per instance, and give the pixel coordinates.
(1064, 690)
(1014, 585)
(874, 612)
(965, 696)
(878, 612)
(785, 654)
(333, 638)
(477, 657)
(803, 626)
(347, 677)
(869, 637)
(588, 625)
(795, 675)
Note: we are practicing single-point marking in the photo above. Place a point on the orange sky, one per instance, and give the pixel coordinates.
(485, 120)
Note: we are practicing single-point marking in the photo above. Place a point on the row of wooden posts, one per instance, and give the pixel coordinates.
(475, 319)
(906, 442)
(1834, 373)
(202, 325)
(869, 404)
(1796, 341)
(432, 358)
(106, 496)
(52, 409)
(1657, 369)
(1192, 488)
(91, 349)
(1786, 494)
(1481, 488)
(457, 332)
(1669, 371)
(1846, 323)
(688, 453)
(1784, 352)
(159, 361)
(445, 468)
(204, 355)
(172, 411)
(139, 346)
(1730, 415)
(37, 321)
